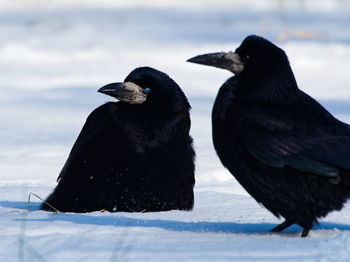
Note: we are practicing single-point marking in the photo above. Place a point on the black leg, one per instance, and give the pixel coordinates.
(306, 231)
(282, 226)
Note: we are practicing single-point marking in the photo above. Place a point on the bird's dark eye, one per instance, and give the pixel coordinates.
(147, 90)
(246, 57)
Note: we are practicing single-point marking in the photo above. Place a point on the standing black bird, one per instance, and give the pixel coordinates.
(281, 145)
(134, 155)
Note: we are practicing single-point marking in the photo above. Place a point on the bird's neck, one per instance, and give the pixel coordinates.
(269, 86)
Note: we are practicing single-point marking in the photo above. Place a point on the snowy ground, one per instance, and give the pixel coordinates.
(54, 55)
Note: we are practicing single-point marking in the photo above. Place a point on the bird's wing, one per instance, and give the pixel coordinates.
(91, 152)
(303, 136)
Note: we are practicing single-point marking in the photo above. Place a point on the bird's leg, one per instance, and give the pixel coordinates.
(306, 231)
(282, 226)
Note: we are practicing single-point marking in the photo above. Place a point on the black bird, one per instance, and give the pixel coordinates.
(283, 147)
(134, 155)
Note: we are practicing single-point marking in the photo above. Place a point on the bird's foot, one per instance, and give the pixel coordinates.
(282, 226)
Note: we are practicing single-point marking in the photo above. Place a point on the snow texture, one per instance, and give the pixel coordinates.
(54, 55)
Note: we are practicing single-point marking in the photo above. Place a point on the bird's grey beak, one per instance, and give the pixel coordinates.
(230, 61)
(128, 92)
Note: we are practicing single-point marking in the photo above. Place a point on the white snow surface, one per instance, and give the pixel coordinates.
(54, 55)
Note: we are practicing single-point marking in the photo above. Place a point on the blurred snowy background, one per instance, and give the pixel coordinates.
(55, 54)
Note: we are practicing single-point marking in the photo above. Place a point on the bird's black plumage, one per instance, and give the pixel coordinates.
(131, 156)
(282, 146)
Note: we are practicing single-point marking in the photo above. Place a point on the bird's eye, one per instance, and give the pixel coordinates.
(246, 57)
(147, 90)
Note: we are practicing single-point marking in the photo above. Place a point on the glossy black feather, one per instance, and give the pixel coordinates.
(282, 146)
(132, 157)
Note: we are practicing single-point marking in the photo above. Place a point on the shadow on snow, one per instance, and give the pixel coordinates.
(118, 220)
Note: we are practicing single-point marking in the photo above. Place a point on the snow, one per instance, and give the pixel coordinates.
(54, 55)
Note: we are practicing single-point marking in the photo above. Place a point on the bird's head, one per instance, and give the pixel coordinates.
(148, 86)
(255, 54)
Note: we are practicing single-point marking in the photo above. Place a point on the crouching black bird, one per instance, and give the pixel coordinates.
(281, 145)
(134, 155)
